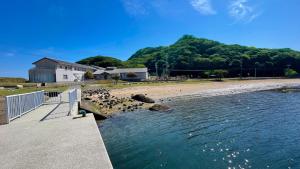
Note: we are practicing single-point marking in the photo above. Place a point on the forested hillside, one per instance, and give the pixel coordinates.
(191, 53)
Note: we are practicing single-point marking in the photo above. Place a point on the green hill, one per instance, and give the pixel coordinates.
(106, 61)
(191, 53)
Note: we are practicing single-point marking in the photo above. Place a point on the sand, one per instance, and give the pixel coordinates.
(206, 89)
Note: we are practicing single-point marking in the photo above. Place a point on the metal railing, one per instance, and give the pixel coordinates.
(18, 105)
(53, 97)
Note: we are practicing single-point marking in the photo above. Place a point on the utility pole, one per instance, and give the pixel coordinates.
(156, 68)
(241, 65)
(167, 66)
(288, 66)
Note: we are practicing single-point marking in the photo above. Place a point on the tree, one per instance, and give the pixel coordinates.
(102, 61)
(116, 78)
(89, 75)
(220, 74)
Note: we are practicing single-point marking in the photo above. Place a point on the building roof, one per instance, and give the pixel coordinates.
(66, 63)
(115, 71)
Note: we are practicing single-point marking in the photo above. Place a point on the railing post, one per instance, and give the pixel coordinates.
(60, 97)
(43, 97)
(70, 102)
(7, 109)
(20, 106)
(34, 99)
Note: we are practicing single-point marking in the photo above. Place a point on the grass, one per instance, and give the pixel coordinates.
(12, 80)
(7, 92)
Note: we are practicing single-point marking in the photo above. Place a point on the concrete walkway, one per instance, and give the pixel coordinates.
(57, 142)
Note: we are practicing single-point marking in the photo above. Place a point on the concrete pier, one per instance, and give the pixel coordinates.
(56, 142)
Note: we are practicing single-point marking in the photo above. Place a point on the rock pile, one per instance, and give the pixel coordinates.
(108, 103)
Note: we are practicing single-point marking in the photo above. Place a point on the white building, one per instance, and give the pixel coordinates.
(49, 70)
(130, 74)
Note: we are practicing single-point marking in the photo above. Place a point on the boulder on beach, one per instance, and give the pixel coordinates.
(159, 107)
(142, 98)
(20, 86)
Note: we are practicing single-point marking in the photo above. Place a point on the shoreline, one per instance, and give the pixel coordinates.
(206, 89)
(119, 100)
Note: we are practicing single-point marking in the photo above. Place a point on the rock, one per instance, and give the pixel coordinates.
(87, 98)
(159, 107)
(142, 98)
(20, 86)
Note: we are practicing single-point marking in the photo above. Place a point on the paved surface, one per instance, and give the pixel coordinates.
(57, 142)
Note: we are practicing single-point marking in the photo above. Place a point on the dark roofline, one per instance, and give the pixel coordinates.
(66, 63)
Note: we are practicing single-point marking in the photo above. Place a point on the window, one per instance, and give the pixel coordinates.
(65, 76)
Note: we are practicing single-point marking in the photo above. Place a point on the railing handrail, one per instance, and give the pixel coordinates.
(25, 93)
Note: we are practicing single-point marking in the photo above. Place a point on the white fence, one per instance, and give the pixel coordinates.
(18, 105)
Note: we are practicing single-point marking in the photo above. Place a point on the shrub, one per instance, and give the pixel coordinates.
(88, 75)
(290, 73)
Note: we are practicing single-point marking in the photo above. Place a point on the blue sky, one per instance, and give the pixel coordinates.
(74, 29)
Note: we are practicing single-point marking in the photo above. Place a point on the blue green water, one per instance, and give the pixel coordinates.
(250, 130)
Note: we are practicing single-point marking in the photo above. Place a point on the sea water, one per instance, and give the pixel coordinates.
(249, 130)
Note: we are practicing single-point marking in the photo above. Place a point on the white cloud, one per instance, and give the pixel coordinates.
(240, 10)
(135, 7)
(203, 6)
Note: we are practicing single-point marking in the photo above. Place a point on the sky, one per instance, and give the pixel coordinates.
(71, 30)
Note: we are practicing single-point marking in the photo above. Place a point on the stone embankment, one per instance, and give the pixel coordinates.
(101, 102)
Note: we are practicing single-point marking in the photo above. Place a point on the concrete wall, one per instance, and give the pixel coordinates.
(40, 75)
(3, 113)
(73, 75)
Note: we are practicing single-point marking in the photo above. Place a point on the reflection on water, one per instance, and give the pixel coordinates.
(252, 130)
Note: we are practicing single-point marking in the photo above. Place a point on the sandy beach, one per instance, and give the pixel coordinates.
(206, 89)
